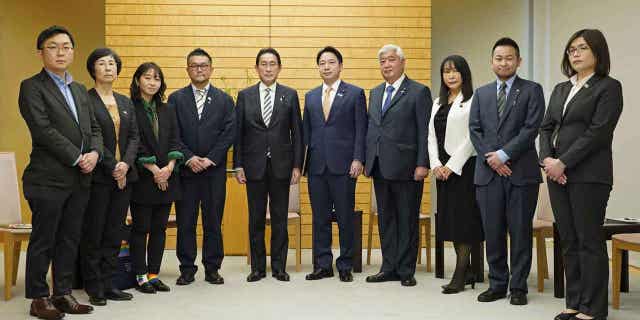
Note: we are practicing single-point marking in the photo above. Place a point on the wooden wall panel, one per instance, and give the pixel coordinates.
(233, 31)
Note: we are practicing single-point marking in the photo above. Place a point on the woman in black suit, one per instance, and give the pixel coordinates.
(110, 190)
(158, 184)
(575, 147)
(452, 158)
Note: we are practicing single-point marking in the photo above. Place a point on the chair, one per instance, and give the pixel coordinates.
(424, 225)
(542, 229)
(620, 242)
(293, 220)
(12, 237)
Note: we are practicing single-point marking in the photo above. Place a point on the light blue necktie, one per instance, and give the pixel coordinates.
(387, 101)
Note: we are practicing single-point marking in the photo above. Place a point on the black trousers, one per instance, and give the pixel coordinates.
(506, 207)
(277, 191)
(208, 194)
(398, 219)
(57, 227)
(579, 211)
(328, 192)
(148, 220)
(101, 237)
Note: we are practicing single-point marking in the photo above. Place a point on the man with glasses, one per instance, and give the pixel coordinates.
(66, 145)
(206, 119)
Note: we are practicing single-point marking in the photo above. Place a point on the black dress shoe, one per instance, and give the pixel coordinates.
(566, 316)
(69, 304)
(146, 288)
(118, 295)
(98, 301)
(256, 276)
(185, 279)
(281, 275)
(490, 295)
(159, 285)
(518, 298)
(409, 282)
(346, 276)
(319, 273)
(213, 277)
(382, 277)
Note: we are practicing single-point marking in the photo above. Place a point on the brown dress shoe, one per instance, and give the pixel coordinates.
(43, 309)
(69, 304)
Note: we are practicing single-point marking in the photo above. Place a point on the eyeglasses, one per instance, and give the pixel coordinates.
(199, 66)
(579, 49)
(54, 48)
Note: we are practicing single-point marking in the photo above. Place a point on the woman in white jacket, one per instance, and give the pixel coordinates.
(452, 161)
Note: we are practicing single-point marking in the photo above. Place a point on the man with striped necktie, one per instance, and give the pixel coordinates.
(268, 157)
(206, 119)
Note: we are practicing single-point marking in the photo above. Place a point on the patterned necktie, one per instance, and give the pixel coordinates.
(326, 103)
(267, 108)
(387, 101)
(502, 98)
(200, 97)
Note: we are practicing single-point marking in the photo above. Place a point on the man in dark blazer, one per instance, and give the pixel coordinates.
(335, 126)
(268, 156)
(397, 159)
(66, 145)
(206, 120)
(504, 120)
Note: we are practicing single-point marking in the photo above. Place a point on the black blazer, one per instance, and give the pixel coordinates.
(128, 137)
(585, 132)
(55, 134)
(145, 190)
(212, 135)
(399, 136)
(515, 131)
(283, 136)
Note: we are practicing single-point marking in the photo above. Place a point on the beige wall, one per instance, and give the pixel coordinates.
(20, 23)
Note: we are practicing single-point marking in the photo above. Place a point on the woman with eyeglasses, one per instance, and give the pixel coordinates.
(158, 186)
(575, 148)
(112, 178)
(452, 158)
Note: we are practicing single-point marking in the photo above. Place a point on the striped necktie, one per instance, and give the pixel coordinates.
(200, 97)
(326, 103)
(267, 107)
(502, 98)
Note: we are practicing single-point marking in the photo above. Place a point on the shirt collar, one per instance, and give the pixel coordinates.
(509, 82)
(264, 87)
(206, 88)
(334, 86)
(397, 83)
(574, 79)
(59, 81)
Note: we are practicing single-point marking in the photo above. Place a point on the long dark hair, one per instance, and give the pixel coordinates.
(598, 46)
(461, 66)
(134, 89)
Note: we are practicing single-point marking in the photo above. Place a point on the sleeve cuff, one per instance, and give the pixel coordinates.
(503, 156)
(146, 160)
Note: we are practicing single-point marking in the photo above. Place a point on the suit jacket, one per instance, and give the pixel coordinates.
(212, 135)
(585, 132)
(515, 132)
(456, 139)
(333, 144)
(399, 136)
(128, 138)
(282, 138)
(57, 139)
(145, 190)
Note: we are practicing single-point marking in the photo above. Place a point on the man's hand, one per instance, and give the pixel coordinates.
(240, 176)
(420, 173)
(88, 162)
(120, 170)
(163, 185)
(554, 168)
(493, 160)
(295, 176)
(206, 163)
(122, 182)
(356, 169)
(195, 164)
(504, 171)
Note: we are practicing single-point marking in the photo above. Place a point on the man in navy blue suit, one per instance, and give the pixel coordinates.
(206, 119)
(503, 123)
(335, 126)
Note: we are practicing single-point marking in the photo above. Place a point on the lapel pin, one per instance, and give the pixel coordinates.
(282, 99)
(403, 91)
(208, 99)
(340, 94)
(124, 112)
(586, 85)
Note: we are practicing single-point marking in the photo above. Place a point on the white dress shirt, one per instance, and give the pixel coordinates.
(332, 94)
